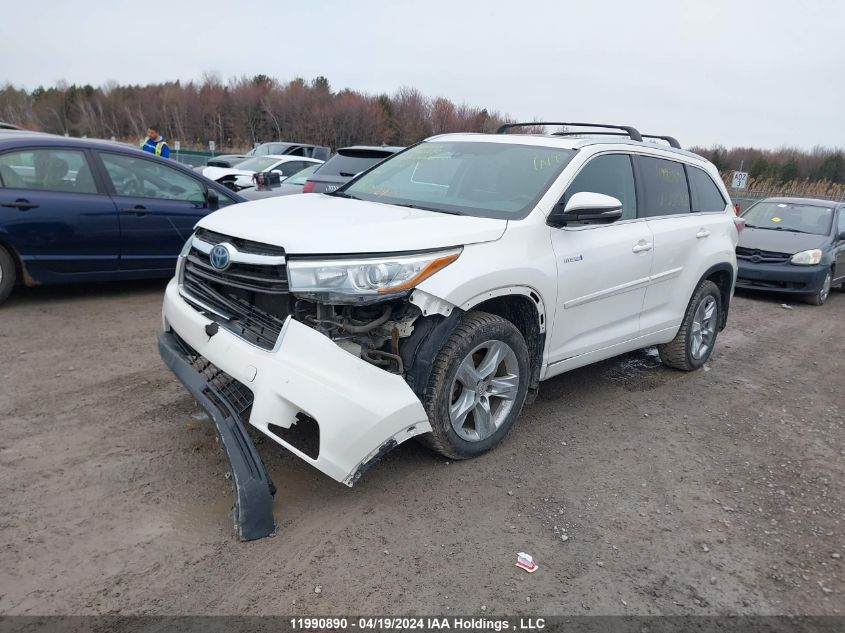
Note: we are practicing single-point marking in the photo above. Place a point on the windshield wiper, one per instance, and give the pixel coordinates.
(415, 206)
(345, 174)
(776, 228)
(343, 194)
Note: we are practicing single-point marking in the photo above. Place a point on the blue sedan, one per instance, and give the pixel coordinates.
(75, 210)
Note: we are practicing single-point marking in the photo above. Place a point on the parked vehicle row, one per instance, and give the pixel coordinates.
(242, 175)
(421, 292)
(319, 152)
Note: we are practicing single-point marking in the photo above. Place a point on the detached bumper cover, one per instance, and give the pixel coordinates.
(783, 277)
(223, 400)
(359, 410)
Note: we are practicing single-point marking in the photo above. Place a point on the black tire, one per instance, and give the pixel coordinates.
(678, 353)
(475, 328)
(819, 298)
(7, 274)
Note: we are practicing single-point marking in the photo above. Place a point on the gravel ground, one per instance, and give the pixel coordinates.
(639, 490)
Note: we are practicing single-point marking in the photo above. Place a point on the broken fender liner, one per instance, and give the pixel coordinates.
(253, 512)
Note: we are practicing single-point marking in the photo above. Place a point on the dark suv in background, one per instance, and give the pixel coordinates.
(348, 162)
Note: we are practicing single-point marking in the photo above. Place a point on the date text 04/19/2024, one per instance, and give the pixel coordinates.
(423, 624)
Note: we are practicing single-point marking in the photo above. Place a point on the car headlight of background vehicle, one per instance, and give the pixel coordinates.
(807, 258)
(364, 280)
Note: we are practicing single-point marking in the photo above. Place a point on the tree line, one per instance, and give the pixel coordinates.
(246, 110)
(241, 112)
(780, 166)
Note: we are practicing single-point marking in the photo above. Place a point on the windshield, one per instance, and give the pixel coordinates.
(494, 180)
(258, 163)
(300, 177)
(785, 216)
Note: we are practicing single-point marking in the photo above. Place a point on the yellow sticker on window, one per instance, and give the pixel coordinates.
(775, 219)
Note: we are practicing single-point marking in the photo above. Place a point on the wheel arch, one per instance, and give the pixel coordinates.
(723, 275)
(524, 308)
(21, 274)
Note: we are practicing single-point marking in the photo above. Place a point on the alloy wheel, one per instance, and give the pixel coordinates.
(825, 291)
(703, 328)
(483, 391)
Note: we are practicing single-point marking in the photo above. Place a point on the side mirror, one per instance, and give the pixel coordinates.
(842, 235)
(586, 207)
(212, 198)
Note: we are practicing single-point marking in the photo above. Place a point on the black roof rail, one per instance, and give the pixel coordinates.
(633, 133)
(673, 142)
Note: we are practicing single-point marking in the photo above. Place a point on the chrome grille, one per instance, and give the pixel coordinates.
(250, 298)
(763, 257)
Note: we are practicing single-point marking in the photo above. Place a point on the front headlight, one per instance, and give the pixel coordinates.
(364, 280)
(807, 258)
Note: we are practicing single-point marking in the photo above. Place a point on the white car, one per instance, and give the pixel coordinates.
(240, 176)
(430, 296)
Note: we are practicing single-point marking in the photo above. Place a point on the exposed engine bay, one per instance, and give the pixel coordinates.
(371, 332)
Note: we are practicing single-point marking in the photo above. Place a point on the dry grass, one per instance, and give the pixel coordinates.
(824, 189)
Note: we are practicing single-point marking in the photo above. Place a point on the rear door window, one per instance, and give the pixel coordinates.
(47, 170)
(612, 175)
(665, 190)
(706, 196)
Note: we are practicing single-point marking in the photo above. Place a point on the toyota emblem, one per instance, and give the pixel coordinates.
(220, 256)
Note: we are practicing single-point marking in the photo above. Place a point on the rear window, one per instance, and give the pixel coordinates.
(706, 196)
(665, 187)
(347, 163)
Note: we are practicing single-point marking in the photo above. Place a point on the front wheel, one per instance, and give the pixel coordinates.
(7, 274)
(821, 296)
(477, 387)
(694, 342)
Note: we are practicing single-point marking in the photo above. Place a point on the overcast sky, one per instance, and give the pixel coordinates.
(762, 73)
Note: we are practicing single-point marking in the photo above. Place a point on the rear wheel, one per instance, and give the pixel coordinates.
(477, 386)
(821, 296)
(7, 274)
(694, 342)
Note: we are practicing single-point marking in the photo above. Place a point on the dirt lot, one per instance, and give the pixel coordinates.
(714, 492)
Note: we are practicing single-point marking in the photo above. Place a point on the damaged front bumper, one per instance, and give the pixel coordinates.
(356, 410)
(225, 400)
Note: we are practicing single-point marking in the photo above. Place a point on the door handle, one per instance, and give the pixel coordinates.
(702, 233)
(642, 247)
(21, 204)
(137, 210)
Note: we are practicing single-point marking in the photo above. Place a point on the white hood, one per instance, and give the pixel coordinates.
(316, 224)
(215, 173)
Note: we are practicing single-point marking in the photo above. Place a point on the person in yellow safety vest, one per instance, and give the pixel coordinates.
(155, 143)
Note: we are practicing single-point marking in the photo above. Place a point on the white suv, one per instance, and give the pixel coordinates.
(430, 295)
